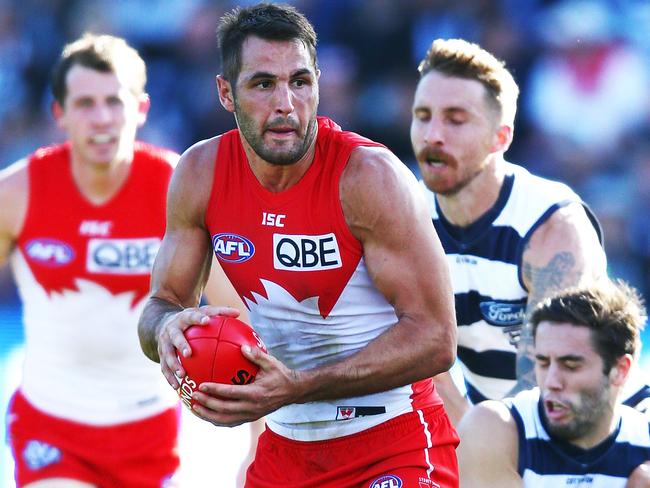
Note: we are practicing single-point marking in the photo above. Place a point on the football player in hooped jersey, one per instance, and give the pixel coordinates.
(323, 236)
(511, 238)
(81, 223)
(572, 430)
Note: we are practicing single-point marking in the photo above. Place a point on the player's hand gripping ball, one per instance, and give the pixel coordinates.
(216, 355)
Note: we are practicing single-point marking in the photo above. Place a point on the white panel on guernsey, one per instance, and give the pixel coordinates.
(123, 385)
(483, 337)
(484, 282)
(531, 196)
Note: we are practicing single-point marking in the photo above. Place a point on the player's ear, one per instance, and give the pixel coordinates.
(57, 113)
(502, 138)
(144, 103)
(621, 369)
(226, 95)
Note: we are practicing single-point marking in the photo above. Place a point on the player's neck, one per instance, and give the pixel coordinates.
(98, 183)
(473, 200)
(277, 178)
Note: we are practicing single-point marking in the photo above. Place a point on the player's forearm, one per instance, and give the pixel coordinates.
(154, 314)
(408, 352)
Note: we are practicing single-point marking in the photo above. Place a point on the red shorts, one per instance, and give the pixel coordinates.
(138, 454)
(414, 450)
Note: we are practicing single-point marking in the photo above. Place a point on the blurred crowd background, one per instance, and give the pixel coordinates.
(583, 67)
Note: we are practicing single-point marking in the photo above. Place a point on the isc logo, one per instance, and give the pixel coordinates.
(387, 481)
(232, 248)
(305, 253)
(49, 252)
(122, 256)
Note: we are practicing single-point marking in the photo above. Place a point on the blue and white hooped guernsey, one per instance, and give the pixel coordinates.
(485, 264)
(544, 463)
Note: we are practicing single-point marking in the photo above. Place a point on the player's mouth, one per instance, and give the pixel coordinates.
(556, 410)
(435, 162)
(282, 132)
(101, 139)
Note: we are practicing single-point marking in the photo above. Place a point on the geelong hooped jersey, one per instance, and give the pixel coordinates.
(82, 272)
(545, 463)
(301, 273)
(485, 263)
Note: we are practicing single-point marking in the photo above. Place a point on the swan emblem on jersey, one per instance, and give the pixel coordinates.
(232, 248)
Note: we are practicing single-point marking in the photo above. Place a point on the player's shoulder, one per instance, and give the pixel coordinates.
(14, 169)
(488, 415)
(193, 176)
(14, 179)
(538, 186)
(370, 165)
(200, 156)
(484, 426)
(14, 188)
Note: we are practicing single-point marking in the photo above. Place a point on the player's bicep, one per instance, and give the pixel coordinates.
(183, 262)
(181, 267)
(564, 251)
(403, 254)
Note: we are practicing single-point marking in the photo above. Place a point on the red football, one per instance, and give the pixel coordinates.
(216, 355)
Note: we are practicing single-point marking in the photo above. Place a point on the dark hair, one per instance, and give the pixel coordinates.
(103, 53)
(272, 22)
(457, 57)
(613, 311)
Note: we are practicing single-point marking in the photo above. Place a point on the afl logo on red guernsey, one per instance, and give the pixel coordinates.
(387, 481)
(50, 252)
(232, 248)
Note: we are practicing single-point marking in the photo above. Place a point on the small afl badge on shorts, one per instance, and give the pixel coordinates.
(387, 481)
(38, 454)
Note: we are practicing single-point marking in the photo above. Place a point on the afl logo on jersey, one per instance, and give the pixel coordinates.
(50, 252)
(232, 248)
(387, 481)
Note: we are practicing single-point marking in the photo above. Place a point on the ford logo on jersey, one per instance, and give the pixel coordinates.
(503, 314)
(387, 481)
(50, 252)
(232, 248)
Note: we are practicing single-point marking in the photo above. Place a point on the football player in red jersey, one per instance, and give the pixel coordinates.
(81, 223)
(324, 237)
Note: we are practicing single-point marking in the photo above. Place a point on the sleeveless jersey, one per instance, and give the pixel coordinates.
(82, 272)
(545, 463)
(301, 274)
(485, 264)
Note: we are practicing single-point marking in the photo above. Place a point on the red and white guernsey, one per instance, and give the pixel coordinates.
(83, 273)
(301, 273)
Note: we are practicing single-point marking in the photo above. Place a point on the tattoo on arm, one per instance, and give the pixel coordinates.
(558, 274)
